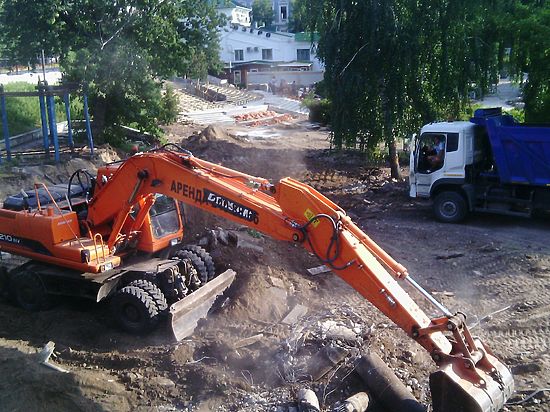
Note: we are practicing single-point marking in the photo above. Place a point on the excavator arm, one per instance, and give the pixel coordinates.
(469, 377)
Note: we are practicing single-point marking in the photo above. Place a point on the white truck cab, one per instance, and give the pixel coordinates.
(430, 174)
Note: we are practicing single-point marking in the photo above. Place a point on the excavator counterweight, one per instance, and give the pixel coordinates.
(107, 232)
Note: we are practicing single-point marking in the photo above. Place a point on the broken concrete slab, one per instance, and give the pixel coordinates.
(325, 360)
(318, 270)
(249, 245)
(332, 330)
(241, 343)
(297, 312)
(43, 357)
(277, 282)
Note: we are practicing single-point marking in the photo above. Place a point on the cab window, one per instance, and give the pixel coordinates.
(164, 216)
(431, 152)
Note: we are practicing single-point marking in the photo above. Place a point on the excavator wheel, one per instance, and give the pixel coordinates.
(28, 291)
(205, 257)
(4, 283)
(155, 293)
(197, 263)
(135, 310)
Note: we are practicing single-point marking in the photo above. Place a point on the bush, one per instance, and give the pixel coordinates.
(319, 109)
(518, 114)
(169, 106)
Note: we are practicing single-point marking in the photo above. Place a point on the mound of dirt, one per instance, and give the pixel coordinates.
(209, 134)
(214, 132)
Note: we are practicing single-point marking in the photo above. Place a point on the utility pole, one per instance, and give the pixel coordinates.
(43, 66)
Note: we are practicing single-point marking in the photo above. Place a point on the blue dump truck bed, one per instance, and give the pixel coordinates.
(521, 152)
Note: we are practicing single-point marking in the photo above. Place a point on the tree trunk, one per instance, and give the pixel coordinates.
(99, 110)
(394, 159)
(389, 133)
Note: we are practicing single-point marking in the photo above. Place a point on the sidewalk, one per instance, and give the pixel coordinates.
(506, 92)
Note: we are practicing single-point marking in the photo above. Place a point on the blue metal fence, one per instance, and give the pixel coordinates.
(46, 95)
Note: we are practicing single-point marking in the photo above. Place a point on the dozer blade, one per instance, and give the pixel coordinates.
(185, 313)
(455, 389)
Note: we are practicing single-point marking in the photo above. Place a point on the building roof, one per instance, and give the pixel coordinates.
(251, 62)
(229, 4)
(271, 63)
(295, 64)
(307, 36)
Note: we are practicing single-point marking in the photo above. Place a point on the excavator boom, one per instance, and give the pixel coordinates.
(470, 378)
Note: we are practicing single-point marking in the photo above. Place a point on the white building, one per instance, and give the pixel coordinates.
(282, 10)
(236, 14)
(245, 49)
(281, 14)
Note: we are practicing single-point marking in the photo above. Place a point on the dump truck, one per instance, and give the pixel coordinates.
(117, 236)
(490, 164)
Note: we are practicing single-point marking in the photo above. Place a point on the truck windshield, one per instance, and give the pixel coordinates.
(431, 152)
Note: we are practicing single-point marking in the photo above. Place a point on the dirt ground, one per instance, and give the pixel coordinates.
(487, 265)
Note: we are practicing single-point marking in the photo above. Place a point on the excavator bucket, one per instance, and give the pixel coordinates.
(185, 314)
(454, 388)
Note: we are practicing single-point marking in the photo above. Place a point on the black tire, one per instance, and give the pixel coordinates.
(205, 257)
(28, 291)
(135, 310)
(197, 263)
(4, 283)
(153, 291)
(450, 207)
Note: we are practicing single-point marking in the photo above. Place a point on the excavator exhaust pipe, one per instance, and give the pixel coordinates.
(454, 390)
(186, 313)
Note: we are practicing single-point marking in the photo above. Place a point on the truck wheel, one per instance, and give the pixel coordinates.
(450, 207)
(205, 257)
(153, 291)
(197, 263)
(134, 310)
(28, 291)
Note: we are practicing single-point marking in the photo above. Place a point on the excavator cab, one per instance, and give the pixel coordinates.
(162, 228)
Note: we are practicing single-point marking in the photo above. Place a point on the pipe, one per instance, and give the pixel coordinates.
(385, 386)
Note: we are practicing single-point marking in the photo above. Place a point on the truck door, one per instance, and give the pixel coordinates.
(430, 158)
(413, 157)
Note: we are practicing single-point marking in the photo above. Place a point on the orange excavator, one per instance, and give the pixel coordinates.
(118, 236)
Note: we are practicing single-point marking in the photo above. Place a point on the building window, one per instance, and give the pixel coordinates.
(284, 13)
(303, 55)
(239, 55)
(267, 54)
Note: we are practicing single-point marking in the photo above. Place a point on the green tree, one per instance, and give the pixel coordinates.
(392, 65)
(527, 24)
(298, 16)
(262, 12)
(122, 49)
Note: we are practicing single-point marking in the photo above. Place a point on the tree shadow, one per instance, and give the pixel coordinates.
(27, 385)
